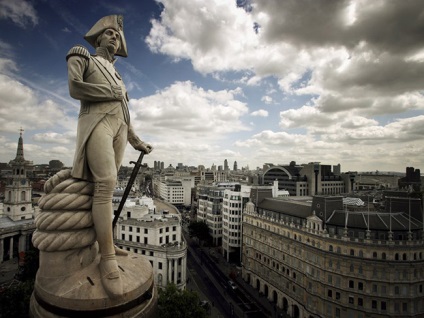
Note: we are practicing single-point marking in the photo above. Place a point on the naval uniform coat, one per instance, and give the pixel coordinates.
(101, 93)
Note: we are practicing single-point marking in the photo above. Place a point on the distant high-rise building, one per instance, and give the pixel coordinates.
(162, 165)
(235, 166)
(337, 170)
(226, 167)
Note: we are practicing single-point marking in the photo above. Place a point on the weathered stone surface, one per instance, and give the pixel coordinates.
(81, 293)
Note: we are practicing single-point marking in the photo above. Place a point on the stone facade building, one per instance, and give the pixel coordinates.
(156, 235)
(314, 257)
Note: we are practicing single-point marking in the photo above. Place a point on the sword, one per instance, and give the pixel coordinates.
(134, 173)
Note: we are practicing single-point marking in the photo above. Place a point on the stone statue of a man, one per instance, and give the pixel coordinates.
(104, 128)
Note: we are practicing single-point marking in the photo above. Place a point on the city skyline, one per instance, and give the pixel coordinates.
(244, 81)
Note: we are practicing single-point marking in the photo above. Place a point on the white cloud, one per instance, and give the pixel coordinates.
(267, 99)
(55, 138)
(259, 113)
(20, 12)
(184, 110)
(20, 107)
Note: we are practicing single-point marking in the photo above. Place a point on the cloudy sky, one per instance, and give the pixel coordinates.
(247, 81)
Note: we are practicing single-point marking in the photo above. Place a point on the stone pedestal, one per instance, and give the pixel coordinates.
(81, 294)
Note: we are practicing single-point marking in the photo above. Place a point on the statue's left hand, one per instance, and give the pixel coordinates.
(142, 146)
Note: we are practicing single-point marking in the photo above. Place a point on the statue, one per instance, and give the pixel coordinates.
(81, 271)
(103, 130)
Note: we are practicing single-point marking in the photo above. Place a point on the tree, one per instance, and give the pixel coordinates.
(200, 230)
(175, 303)
(30, 266)
(14, 299)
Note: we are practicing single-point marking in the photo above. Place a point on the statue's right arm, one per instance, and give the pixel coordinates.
(79, 88)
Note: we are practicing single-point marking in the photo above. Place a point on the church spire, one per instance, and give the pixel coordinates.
(20, 150)
(20, 160)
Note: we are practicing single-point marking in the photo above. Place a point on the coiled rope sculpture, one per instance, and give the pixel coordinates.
(65, 220)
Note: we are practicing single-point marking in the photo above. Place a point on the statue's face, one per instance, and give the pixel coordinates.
(111, 40)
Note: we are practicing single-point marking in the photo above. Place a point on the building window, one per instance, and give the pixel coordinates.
(351, 284)
(146, 231)
(360, 286)
(351, 299)
(374, 304)
(330, 293)
(383, 305)
(159, 265)
(337, 295)
(360, 302)
(337, 312)
(123, 237)
(146, 240)
(130, 229)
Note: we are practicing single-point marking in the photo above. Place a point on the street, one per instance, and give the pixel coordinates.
(214, 284)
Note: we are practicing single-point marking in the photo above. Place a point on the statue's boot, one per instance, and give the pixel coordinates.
(120, 251)
(110, 275)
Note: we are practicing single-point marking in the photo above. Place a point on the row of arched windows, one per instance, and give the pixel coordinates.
(383, 255)
(18, 172)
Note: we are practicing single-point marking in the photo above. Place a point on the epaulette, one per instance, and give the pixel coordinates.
(78, 50)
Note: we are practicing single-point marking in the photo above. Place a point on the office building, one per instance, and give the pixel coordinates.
(307, 179)
(233, 204)
(156, 235)
(319, 257)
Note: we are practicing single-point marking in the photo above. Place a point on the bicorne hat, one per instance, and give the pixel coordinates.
(115, 22)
